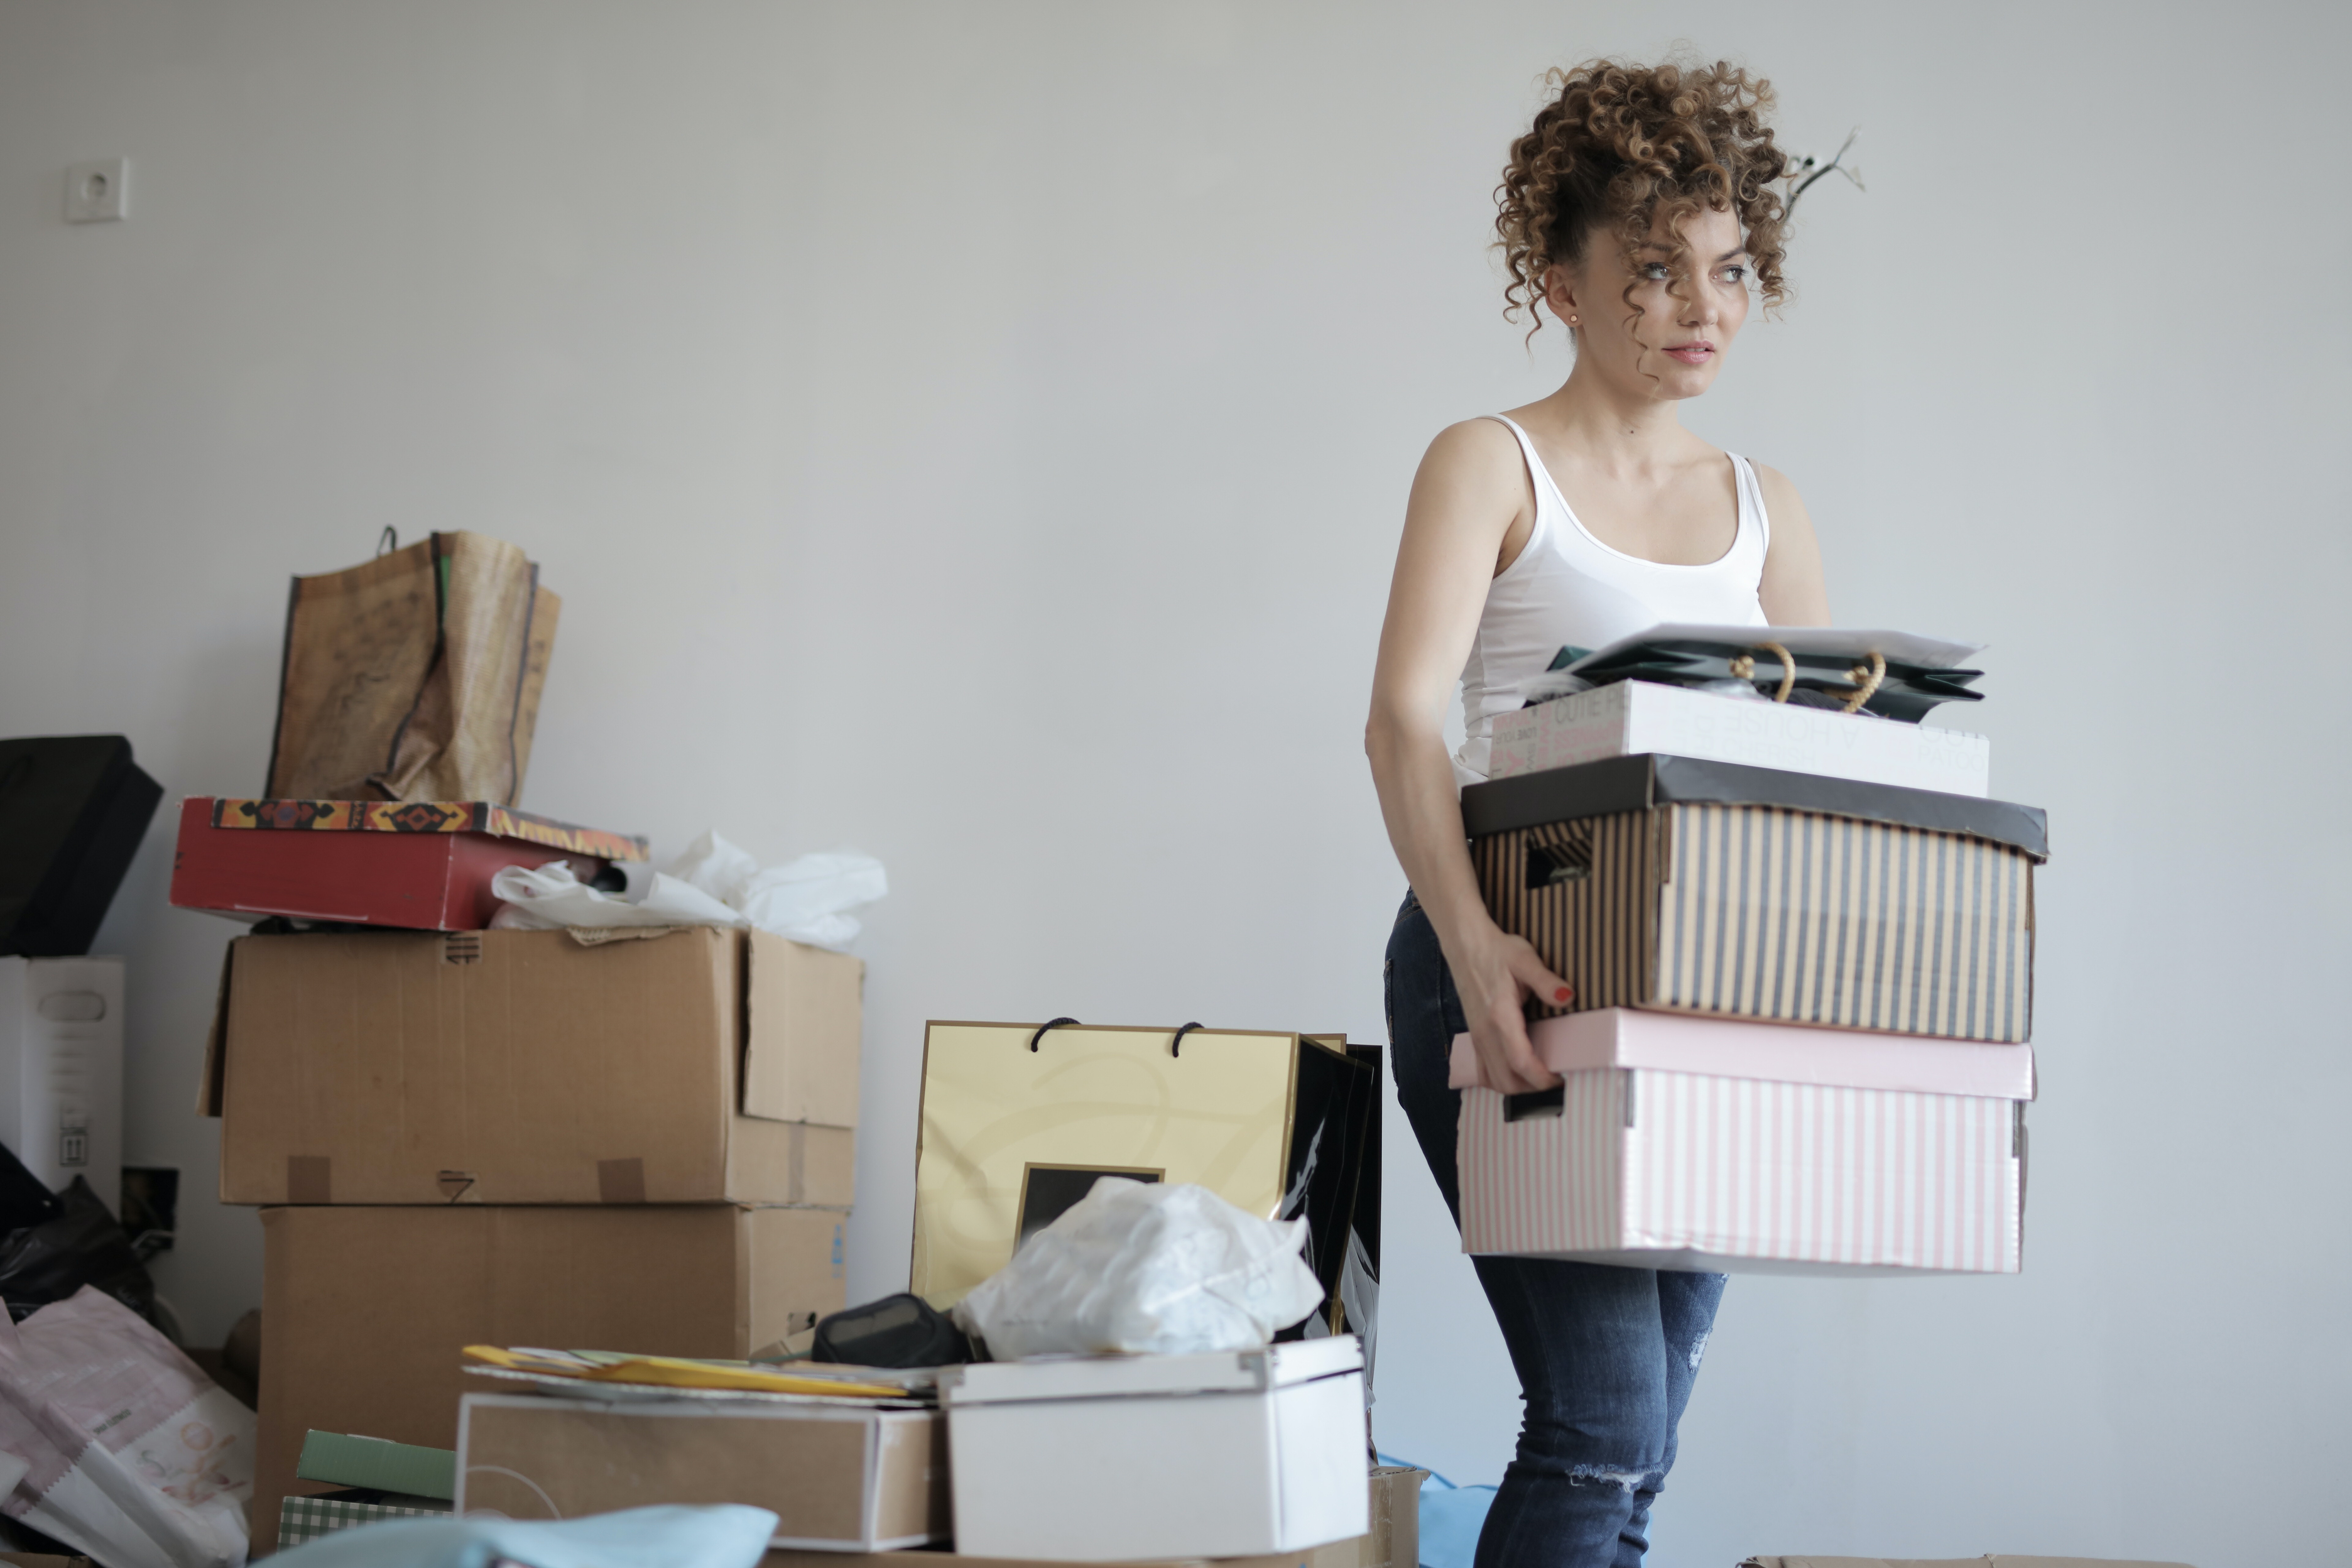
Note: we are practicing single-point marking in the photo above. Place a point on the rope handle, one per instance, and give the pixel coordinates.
(1049, 1024)
(1865, 678)
(1743, 668)
(1865, 681)
(1179, 1039)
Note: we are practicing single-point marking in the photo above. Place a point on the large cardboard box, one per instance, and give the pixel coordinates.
(1630, 716)
(1019, 1122)
(693, 1065)
(370, 1308)
(1772, 1149)
(1715, 889)
(413, 865)
(838, 1476)
(61, 1070)
(1104, 1458)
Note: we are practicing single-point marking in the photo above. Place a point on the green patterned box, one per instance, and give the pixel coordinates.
(301, 1519)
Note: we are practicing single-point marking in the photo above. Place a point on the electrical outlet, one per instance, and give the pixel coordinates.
(98, 191)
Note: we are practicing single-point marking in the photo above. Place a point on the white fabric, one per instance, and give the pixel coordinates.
(1569, 588)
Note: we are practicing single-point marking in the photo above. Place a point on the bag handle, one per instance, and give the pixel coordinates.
(1743, 668)
(1866, 679)
(1175, 1043)
(1049, 1024)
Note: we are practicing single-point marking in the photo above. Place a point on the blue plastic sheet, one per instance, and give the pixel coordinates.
(727, 1536)
(1451, 1518)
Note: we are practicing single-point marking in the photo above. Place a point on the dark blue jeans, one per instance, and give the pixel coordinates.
(1605, 1356)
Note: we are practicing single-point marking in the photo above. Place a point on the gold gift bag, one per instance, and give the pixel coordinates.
(413, 676)
(1019, 1121)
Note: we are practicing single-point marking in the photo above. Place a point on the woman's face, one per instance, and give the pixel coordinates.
(1650, 342)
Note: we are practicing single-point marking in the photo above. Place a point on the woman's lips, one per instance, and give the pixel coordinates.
(1693, 354)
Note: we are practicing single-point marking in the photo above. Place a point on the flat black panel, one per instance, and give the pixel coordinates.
(73, 809)
(1630, 784)
(1327, 1150)
(1047, 1192)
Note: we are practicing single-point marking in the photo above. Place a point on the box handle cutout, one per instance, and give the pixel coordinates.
(1548, 865)
(73, 1008)
(1552, 1102)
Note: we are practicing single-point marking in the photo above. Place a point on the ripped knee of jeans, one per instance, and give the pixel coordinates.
(1611, 1475)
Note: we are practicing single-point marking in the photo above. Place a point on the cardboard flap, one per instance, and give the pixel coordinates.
(208, 1088)
(802, 1007)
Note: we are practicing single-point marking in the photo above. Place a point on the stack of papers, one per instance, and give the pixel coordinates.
(610, 1375)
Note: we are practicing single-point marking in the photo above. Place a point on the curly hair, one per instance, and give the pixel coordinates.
(1620, 145)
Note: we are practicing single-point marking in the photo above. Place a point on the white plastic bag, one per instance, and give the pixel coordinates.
(1145, 1267)
(713, 883)
(116, 1444)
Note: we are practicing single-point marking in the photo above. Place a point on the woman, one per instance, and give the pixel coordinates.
(1639, 212)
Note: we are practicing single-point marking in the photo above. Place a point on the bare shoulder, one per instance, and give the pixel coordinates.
(1473, 475)
(1782, 504)
(1473, 447)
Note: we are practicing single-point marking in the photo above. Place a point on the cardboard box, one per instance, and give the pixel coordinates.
(1653, 1167)
(697, 1065)
(415, 865)
(838, 1476)
(348, 1459)
(1018, 1121)
(1708, 887)
(370, 1308)
(301, 1520)
(1631, 717)
(61, 1070)
(1394, 1539)
(1110, 1459)
(2002, 1560)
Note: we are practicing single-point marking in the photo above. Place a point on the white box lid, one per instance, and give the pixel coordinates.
(1250, 1371)
(1784, 1053)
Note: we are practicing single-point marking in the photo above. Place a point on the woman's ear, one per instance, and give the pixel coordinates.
(1559, 293)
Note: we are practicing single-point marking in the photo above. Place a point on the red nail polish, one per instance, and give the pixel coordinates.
(1562, 994)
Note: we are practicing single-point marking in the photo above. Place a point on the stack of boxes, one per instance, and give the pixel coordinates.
(472, 1136)
(1799, 1041)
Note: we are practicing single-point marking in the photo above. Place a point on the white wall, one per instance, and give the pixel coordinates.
(979, 434)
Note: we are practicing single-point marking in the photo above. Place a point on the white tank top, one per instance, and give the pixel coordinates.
(1569, 588)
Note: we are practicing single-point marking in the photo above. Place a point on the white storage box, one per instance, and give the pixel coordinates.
(61, 1070)
(1630, 717)
(1120, 1458)
(1756, 1148)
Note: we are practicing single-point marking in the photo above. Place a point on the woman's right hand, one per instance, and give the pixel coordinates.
(1495, 973)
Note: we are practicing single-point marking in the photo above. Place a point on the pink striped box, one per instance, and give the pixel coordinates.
(1678, 1142)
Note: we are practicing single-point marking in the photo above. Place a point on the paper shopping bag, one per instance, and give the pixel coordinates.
(415, 676)
(1020, 1120)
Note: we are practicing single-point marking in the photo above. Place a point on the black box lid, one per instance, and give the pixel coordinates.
(73, 809)
(1637, 783)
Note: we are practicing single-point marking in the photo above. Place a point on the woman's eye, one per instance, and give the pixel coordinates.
(1735, 275)
(1656, 271)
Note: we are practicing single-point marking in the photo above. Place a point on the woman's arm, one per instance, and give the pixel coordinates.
(1791, 590)
(1471, 494)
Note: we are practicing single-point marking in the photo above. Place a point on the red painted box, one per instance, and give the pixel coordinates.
(417, 865)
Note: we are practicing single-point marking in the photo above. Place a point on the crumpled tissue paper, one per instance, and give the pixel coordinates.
(713, 883)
